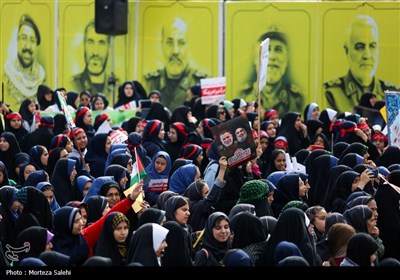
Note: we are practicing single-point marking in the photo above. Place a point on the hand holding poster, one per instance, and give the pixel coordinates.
(235, 140)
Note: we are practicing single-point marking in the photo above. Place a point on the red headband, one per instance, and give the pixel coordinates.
(75, 132)
(270, 113)
(344, 131)
(51, 125)
(362, 125)
(379, 136)
(195, 149)
(80, 112)
(281, 143)
(59, 138)
(334, 124)
(102, 118)
(154, 126)
(181, 128)
(263, 134)
(13, 115)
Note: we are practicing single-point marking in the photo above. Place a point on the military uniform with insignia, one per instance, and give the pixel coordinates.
(82, 82)
(173, 92)
(344, 93)
(283, 97)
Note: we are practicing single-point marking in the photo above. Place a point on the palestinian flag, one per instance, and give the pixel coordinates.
(138, 171)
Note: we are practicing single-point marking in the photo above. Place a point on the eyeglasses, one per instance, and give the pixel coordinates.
(221, 112)
(111, 195)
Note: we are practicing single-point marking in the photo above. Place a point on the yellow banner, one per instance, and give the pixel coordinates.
(27, 48)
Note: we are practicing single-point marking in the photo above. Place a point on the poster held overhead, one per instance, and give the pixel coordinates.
(392, 100)
(235, 140)
(212, 90)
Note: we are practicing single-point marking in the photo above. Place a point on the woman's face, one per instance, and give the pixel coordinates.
(32, 107)
(85, 100)
(365, 158)
(205, 190)
(182, 214)
(275, 120)
(374, 207)
(63, 153)
(48, 96)
(129, 167)
(320, 219)
(315, 113)
(81, 140)
(160, 164)
(128, 89)
(121, 232)
(371, 224)
(302, 188)
(379, 144)
(4, 145)
(86, 188)
(161, 134)
(355, 183)
(108, 145)
(78, 224)
(199, 158)
(28, 170)
(15, 123)
(87, 119)
(270, 197)
(280, 162)
(69, 146)
(319, 141)
(139, 127)
(49, 196)
(123, 181)
(200, 128)
(221, 231)
(113, 195)
(172, 135)
(72, 175)
(264, 143)
(44, 157)
(197, 176)
(1, 177)
(271, 130)
(83, 215)
(99, 105)
(298, 123)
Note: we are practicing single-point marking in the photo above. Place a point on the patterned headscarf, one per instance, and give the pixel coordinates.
(119, 218)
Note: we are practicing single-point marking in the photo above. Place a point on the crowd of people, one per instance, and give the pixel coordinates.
(67, 188)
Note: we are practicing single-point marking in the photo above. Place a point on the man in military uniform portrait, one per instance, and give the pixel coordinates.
(279, 93)
(362, 50)
(177, 76)
(23, 73)
(94, 77)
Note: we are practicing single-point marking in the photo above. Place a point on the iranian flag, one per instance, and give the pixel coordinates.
(138, 171)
